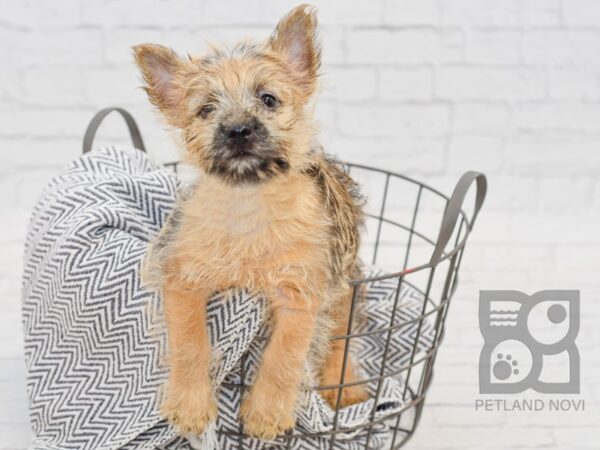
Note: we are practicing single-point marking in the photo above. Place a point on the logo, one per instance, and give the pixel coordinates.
(529, 342)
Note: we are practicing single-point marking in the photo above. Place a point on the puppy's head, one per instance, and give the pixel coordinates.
(243, 113)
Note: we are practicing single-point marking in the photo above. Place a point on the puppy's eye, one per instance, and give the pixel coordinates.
(269, 100)
(206, 110)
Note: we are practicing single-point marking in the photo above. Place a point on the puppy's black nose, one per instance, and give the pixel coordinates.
(239, 133)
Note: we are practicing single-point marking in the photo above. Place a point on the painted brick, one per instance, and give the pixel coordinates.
(564, 46)
(406, 83)
(558, 116)
(349, 84)
(494, 46)
(574, 83)
(408, 13)
(481, 117)
(429, 120)
(55, 86)
(582, 13)
(479, 83)
(404, 46)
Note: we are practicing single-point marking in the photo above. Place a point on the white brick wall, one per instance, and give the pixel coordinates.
(429, 88)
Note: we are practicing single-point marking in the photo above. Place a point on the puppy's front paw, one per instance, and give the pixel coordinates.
(189, 409)
(267, 415)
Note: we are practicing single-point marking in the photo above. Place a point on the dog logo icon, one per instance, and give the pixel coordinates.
(529, 342)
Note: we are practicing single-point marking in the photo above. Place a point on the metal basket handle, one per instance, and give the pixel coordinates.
(453, 209)
(134, 131)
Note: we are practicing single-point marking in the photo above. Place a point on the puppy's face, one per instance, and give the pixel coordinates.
(243, 113)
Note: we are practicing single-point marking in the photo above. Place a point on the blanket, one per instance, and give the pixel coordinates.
(94, 339)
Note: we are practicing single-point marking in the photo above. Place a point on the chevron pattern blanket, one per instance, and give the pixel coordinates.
(94, 342)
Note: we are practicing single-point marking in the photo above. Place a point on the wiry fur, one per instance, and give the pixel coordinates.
(272, 214)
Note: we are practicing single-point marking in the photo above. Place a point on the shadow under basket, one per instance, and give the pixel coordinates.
(415, 237)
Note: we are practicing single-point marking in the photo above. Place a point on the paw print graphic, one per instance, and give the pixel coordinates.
(521, 334)
(505, 367)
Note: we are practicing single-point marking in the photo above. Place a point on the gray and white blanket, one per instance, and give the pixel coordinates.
(94, 340)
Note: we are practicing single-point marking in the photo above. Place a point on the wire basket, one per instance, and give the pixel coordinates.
(405, 238)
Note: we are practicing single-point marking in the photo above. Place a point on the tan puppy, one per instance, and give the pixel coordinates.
(272, 214)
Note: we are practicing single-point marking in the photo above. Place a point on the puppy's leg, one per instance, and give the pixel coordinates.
(268, 409)
(189, 404)
(332, 368)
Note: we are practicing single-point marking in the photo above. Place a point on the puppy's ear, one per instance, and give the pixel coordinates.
(162, 70)
(295, 38)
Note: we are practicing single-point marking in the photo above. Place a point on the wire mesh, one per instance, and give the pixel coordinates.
(402, 232)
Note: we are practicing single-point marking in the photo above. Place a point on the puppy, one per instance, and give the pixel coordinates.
(272, 214)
